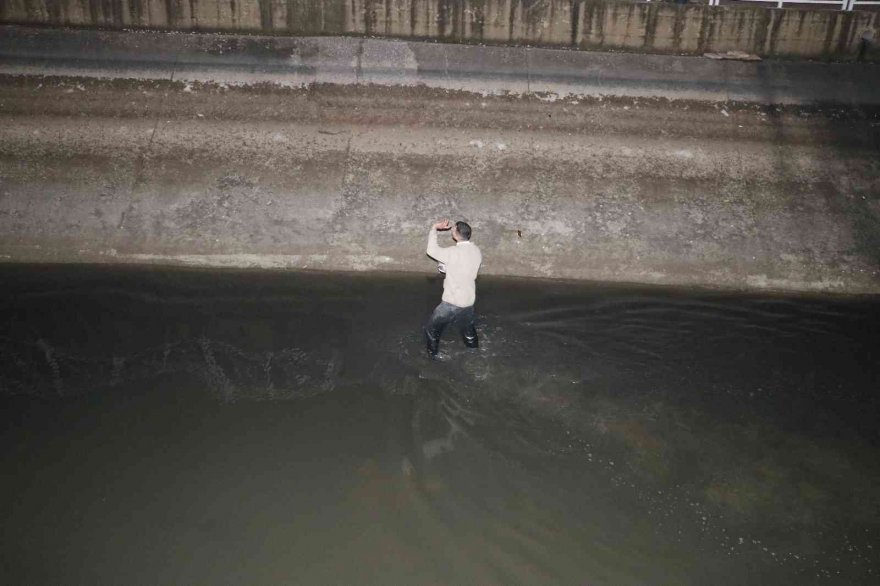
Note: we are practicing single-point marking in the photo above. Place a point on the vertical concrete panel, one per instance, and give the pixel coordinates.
(204, 13)
(558, 30)
(39, 10)
(354, 15)
(373, 20)
(11, 11)
(78, 12)
(418, 24)
(275, 16)
(434, 19)
(14, 11)
(100, 13)
(397, 18)
(391, 19)
(623, 26)
(154, 14)
(424, 20)
(515, 18)
(845, 32)
(60, 10)
(802, 32)
(94, 12)
(665, 37)
(808, 36)
(57, 11)
(266, 16)
(577, 22)
(472, 19)
(732, 29)
(378, 20)
(496, 20)
(650, 26)
(442, 10)
(454, 19)
(398, 15)
(689, 25)
(137, 12)
(515, 21)
(458, 20)
(134, 12)
(34, 11)
(332, 16)
(174, 15)
(636, 25)
(541, 20)
(524, 22)
(123, 13)
(863, 22)
(52, 10)
(107, 13)
(772, 32)
(746, 28)
(830, 35)
(306, 17)
(182, 14)
(445, 18)
(249, 16)
(873, 50)
(225, 14)
(614, 26)
(592, 19)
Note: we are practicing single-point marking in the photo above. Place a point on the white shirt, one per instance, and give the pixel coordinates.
(462, 264)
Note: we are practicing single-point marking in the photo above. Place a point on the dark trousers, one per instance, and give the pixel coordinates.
(445, 314)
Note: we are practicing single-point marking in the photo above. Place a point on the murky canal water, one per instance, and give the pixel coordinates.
(171, 426)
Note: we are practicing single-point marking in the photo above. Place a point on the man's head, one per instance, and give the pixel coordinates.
(461, 232)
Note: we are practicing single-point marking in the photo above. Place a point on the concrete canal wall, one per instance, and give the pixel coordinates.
(350, 178)
(583, 24)
(337, 153)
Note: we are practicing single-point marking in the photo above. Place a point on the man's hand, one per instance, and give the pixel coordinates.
(444, 225)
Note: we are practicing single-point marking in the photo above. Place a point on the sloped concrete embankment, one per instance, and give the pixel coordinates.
(349, 178)
(653, 27)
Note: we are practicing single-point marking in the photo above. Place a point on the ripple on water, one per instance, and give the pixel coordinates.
(595, 432)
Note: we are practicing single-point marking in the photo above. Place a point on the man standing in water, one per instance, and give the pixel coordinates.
(461, 264)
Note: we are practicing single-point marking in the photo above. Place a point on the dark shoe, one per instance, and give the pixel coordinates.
(472, 342)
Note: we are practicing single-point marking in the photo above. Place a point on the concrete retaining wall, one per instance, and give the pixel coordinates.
(648, 27)
(337, 177)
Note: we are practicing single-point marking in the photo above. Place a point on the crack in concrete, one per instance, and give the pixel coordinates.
(359, 73)
(141, 161)
(528, 71)
(346, 167)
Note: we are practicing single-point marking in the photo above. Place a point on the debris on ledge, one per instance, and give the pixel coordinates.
(733, 56)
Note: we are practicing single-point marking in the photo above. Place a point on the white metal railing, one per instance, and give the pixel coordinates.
(847, 5)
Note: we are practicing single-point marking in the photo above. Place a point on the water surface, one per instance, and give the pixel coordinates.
(182, 426)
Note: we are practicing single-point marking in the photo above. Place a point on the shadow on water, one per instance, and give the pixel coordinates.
(168, 425)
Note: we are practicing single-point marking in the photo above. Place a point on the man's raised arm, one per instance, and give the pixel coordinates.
(434, 250)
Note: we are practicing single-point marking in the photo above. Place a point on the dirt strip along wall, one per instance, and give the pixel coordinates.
(647, 27)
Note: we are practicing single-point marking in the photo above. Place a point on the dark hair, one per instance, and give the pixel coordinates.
(464, 230)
